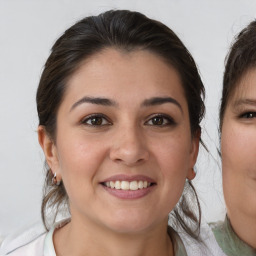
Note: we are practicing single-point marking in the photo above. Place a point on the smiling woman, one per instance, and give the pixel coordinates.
(119, 105)
(237, 234)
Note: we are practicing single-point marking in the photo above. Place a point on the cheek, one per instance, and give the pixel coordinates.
(79, 166)
(174, 159)
(79, 159)
(231, 156)
(238, 147)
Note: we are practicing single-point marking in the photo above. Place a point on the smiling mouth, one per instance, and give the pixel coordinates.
(128, 185)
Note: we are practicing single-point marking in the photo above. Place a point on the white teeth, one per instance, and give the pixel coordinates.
(140, 184)
(112, 184)
(134, 185)
(126, 185)
(117, 184)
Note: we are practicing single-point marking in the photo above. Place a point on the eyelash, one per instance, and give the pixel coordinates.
(248, 115)
(165, 120)
(94, 116)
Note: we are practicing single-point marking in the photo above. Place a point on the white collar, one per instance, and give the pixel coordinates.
(48, 242)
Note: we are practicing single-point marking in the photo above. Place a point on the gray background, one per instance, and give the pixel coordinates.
(28, 28)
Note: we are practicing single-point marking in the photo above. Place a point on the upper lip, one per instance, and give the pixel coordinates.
(123, 177)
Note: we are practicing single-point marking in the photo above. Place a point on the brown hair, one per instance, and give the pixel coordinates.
(241, 57)
(128, 31)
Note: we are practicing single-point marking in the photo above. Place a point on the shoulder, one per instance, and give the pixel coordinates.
(32, 248)
(228, 240)
(29, 242)
(35, 241)
(206, 246)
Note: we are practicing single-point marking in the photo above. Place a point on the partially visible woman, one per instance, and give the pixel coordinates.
(237, 234)
(120, 103)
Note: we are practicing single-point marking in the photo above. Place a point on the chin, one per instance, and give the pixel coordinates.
(132, 223)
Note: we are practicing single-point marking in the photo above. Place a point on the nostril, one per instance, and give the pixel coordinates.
(129, 154)
(129, 162)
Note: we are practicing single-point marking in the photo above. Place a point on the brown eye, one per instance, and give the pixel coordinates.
(95, 120)
(160, 120)
(157, 120)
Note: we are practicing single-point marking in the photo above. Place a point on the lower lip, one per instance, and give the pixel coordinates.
(129, 194)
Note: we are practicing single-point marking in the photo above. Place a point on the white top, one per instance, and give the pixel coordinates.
(34, 242)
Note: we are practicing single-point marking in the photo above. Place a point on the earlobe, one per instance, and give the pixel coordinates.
(191, 174)
(49, 148)
(194, 153)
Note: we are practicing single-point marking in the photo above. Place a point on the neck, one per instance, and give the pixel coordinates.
(78, 239)
(244, 226)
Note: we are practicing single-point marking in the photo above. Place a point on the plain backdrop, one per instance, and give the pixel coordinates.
(28, 28)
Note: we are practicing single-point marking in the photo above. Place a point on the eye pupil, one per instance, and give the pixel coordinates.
(96, 121)
(250, 115)
(157, 120)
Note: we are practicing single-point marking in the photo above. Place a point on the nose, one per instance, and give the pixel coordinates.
(129, 147)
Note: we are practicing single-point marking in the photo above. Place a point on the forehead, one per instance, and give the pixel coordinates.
(114, 71)
(246, 86)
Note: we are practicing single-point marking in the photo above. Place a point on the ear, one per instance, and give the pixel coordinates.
(193, 154)
(49, 148)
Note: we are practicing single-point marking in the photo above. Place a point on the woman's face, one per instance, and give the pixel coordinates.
(124, 147)
(238, 147)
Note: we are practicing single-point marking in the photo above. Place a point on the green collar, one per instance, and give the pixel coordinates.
(228, 240)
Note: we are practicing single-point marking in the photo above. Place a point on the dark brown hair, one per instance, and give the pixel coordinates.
(241, 57)
(127, 31)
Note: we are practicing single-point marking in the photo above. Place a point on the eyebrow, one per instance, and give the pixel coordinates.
(240, 102)
(111, 103)
(93, 100)
(161, 100)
